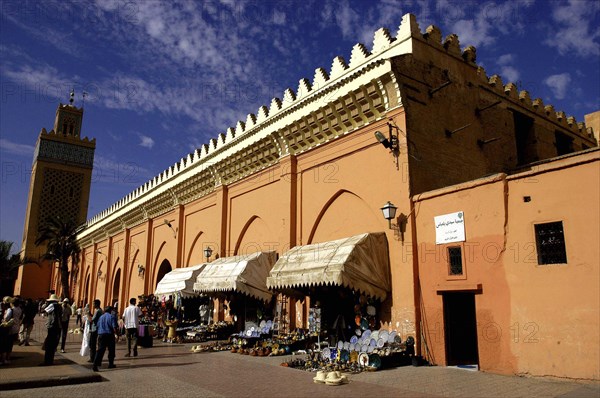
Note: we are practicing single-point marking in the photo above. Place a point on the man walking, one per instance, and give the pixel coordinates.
(53, 312)
(29, 313)
(131, 318)
(64, 323)
(107, 327)
(94, 330)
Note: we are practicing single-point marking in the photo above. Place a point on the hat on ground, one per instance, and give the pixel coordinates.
(66, 300)
(333, 379)
(320, 377)
(53, 297)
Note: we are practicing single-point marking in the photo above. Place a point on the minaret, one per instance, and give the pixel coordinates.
(60, 186)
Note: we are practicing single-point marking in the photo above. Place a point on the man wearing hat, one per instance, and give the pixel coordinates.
(107, 327)
(53, 312)
(64, 322)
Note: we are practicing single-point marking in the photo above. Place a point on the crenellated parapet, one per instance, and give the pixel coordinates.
(337, 100)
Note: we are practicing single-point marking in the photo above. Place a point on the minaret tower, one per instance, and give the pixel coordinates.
(60, 186)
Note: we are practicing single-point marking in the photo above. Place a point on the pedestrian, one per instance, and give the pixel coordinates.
(107, 328)
(64, 323)
(94, 330)
(29, 313)
(85, 341)
(12, 318)
(53, 312)
(131, 318)
(78, 314)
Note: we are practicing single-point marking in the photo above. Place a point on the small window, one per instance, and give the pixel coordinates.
(550, 243)
(564, 143)
(455, 260)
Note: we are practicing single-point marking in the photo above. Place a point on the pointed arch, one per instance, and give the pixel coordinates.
(189, 256)
(261, 231)
(165, 267)
(155, 262)
(129, 271)
(366, 221)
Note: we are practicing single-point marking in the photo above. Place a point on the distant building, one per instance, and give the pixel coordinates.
(60, 186)
(458, 146)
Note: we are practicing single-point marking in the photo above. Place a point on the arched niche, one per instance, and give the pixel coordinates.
(344, 214)
(195, 255)
(254, 237)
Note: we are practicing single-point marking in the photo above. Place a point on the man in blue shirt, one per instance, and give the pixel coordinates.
(107, 327)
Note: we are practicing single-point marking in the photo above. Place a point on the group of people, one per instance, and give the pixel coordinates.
(17, 317)
(100, 328)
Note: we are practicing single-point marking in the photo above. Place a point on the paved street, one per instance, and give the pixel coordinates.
(173, 371)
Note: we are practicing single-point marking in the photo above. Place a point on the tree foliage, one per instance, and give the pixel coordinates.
(60, 238)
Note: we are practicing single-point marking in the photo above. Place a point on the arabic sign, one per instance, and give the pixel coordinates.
(449, 228)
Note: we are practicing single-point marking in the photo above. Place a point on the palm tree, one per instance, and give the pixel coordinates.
(60, 237)
(9, 263)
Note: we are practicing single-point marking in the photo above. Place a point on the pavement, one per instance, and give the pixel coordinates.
(169, 370)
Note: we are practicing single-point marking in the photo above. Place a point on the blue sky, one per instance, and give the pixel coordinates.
(164, 77)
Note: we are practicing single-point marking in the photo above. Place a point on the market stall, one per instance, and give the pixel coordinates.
(346, 281)
(178, 302)
(240, 280)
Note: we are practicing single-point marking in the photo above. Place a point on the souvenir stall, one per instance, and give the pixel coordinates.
(178, 309)
(346, 281)
(149, 326)
(240, 282)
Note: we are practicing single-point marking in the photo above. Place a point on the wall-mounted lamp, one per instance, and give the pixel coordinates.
(390, 142)
(207, 253)
(141, 270)
(168, 224)
(389, 213)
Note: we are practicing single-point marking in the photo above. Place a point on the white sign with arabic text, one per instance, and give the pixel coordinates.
(449, 228)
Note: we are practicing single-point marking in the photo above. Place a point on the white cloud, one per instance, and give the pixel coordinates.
(576, 30)
(146, 141)
(558, 84)
(509, 74)
(506, 59)
(16, 148)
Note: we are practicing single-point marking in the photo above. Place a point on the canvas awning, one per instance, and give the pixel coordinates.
(359, 262)
(180, 280)
(245, 274)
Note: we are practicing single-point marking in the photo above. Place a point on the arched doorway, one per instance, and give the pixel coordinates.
(165, 268)
(115, 290)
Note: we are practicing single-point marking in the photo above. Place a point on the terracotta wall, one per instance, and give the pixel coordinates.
(531, 319)
(327, 193)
